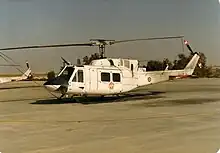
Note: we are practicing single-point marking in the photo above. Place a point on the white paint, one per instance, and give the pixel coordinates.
(52, 87)
(93, 84)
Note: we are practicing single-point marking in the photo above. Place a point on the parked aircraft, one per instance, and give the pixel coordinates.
(17, 78)
(108, 76)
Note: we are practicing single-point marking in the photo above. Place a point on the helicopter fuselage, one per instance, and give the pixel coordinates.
(103, 77)
(111, 77)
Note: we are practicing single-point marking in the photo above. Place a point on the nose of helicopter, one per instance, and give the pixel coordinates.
(54, 84)
(51, 86)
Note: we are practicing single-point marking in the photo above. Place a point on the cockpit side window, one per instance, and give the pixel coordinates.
(74, 78)
(78, 77)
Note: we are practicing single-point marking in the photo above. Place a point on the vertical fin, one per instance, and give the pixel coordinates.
(193, 62)
(28, 72)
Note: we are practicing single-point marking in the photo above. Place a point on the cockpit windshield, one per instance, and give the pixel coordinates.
(67, 73)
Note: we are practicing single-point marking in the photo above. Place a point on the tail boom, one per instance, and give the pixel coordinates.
(188, 70)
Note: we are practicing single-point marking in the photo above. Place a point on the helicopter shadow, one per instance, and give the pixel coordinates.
(98, 100)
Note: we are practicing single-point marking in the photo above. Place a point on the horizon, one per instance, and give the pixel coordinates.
(42, 22)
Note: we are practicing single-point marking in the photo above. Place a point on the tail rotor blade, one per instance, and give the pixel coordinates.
(188, 46)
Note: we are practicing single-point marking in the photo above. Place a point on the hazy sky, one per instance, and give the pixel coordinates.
(35, 22)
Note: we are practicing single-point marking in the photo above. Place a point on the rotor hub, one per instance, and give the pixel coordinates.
(101, 43)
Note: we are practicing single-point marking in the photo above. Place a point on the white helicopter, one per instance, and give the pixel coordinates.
(108, 76)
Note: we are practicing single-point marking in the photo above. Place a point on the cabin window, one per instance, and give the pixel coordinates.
(105, 76)
(116, 77)
(80, 75)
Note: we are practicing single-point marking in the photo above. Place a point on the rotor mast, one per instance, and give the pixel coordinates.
(101, 43)
(102, 50)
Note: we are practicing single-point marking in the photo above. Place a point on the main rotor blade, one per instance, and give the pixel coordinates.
(8, 65)
(46, 46)
(87, 44)
(153, 38)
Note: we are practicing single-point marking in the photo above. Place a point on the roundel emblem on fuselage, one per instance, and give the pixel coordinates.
(149, 79)
(111, 85)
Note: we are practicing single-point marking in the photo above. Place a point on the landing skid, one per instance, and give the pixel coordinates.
(67, 96)
(106, 98)
(60, 98)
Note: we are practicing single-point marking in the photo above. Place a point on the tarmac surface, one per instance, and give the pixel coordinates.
(181, 116)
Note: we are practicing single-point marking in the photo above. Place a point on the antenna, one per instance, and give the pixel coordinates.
(78, 61)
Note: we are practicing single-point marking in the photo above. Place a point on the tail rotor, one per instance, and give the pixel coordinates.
(189, 47)
(192, 53)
